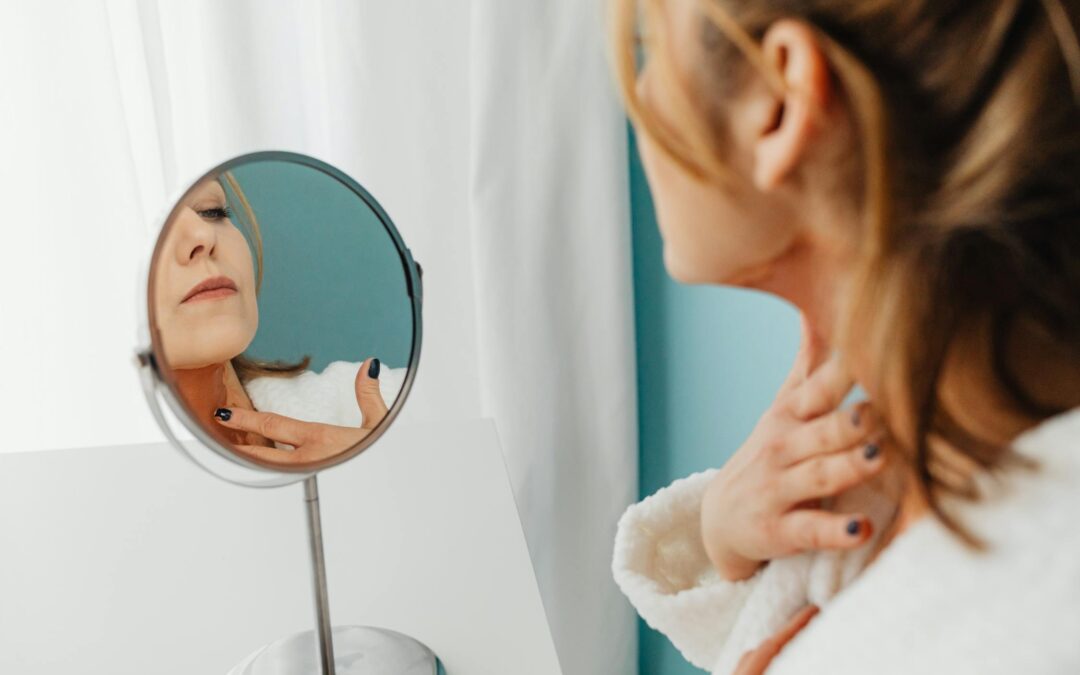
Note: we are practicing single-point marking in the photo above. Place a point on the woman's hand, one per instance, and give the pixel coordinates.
(764, 502)
(755, 661)
(312, 441)
(369, 395)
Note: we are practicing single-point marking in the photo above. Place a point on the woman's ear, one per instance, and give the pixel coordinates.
(786, 122)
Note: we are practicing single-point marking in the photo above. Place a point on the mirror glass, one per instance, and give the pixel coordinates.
(281, 312)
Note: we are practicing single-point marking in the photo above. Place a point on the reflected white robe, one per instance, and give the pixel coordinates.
(328, 397)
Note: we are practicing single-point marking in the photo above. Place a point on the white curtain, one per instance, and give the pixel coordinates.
(551, 235)
(490, 133)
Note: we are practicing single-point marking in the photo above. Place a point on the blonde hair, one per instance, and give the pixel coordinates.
(246, 367)
(968, 238)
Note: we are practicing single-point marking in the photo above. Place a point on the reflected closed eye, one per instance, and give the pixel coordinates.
(215, 213)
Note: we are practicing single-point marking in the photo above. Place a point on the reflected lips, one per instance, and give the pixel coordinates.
(208, 289)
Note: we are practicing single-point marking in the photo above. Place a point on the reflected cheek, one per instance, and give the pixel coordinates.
(250, 297)
(252, 314)
(162, 317)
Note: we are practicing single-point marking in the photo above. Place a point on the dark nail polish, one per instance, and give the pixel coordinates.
(871, 451)
(223, 414)
(373, 369)
(855, 416)
(853, 527)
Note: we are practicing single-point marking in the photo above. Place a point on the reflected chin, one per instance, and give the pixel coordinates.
(212, 343)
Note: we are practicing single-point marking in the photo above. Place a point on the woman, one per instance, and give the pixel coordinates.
(906, 173)
(206, 314)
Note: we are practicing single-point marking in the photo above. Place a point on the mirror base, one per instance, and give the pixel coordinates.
(358, 650)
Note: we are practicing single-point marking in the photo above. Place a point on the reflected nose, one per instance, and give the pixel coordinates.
(196, 238)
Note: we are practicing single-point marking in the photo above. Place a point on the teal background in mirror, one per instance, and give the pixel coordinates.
(333, 283)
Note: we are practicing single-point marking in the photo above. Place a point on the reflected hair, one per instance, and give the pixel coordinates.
(966, 179)
(246, 367)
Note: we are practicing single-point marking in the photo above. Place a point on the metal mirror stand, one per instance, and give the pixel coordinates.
(149, 374)
(318, 563)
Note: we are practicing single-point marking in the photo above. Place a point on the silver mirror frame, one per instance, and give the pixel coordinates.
(242, 470)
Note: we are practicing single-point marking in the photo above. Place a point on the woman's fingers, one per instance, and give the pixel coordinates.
(812, 353)
(755, 661)
(271, 454)
(831, 474)
(815, 530)
(369, 395)
(823, 391)
(271, 425)
(837, 430)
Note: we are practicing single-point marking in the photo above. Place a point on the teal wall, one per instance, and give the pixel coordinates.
(709, 362)
(333, 285)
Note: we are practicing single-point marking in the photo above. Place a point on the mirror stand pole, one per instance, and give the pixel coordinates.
(318, 562)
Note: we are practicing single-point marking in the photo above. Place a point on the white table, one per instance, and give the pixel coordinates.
(131, 560)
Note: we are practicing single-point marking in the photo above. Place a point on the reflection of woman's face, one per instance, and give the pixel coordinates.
(204, 294)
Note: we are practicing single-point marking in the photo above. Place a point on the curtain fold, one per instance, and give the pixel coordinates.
(551, 238)
(489, 131)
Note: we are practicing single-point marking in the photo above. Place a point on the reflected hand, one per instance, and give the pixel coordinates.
(312, 441)
(755, 661)
(765, 502)
(369, 395)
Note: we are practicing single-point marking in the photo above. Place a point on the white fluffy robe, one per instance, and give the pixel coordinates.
(925, 605)
(328, 397)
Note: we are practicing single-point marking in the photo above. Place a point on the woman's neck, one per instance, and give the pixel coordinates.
(211, 387)
(811, 275)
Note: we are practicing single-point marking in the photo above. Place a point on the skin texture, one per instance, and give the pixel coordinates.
(200, 337)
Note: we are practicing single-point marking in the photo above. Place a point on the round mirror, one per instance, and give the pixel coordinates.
(282, 317)
(282, 327)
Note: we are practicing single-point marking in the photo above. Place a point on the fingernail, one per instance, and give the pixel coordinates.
(853, 527)
(855, 416)
(373, 369)
(871, 451)
(223, 414)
